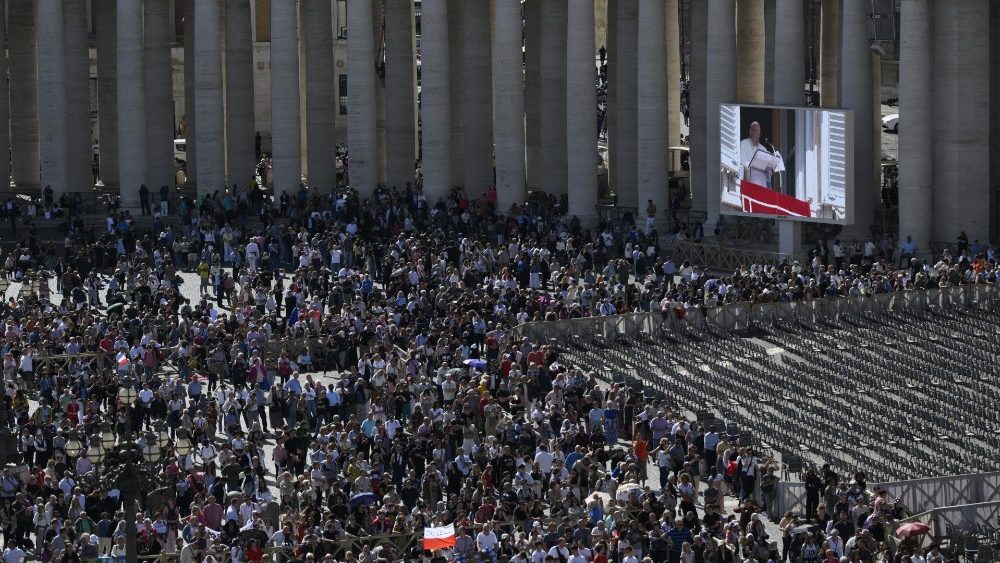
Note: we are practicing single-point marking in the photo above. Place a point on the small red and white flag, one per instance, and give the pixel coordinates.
(439, 537)
(122, 361)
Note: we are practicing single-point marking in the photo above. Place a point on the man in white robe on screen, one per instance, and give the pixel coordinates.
(748, 148)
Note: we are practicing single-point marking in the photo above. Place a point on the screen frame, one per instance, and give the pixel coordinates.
(849, 166)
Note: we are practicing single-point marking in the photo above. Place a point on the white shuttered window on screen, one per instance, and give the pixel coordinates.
(729, 137)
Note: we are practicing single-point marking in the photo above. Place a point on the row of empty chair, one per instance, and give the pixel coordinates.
(900, 395)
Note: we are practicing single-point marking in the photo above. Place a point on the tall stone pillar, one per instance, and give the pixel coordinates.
(190, 117)
(651, 130)
(581, 108)
(240, 117)
(131, 104)
(381, 127)
(107, 93)
(625, 155)
(750, 51)
(477, 99)
(4, 105)
(400, 92)
(286, 128)
(159, 96)
(553, 97)
(673, 37)
(361, 108)
(52, 95)
(786, 40)
(829, 53)
(79, 147)
(961, 90)
(23, 94)
(320, 100)
(208, 99)
(532, 93)
(508, 104)
(785, 85)
(856, 94)
(713, 56)
(435, 101)
(612, 95)
(456, 56)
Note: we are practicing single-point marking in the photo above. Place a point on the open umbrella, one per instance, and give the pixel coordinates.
(625, 491)
(362, 498)
(912, 530)
(457, 372)
(475, 363)
(805, 529)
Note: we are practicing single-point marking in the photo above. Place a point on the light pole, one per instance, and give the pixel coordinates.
(130, 466)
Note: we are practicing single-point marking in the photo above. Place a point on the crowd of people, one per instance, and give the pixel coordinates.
(345, 373)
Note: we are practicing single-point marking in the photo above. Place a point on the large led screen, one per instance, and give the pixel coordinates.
(786, 162)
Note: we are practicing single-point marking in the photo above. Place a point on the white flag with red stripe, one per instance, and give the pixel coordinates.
(439, 537)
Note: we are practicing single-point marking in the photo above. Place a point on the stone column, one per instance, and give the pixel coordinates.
(553, 97)
(208, 99)
(435, 101)
(713, 57)
(159, 97)
(581, 111)
(532, 93)
(612, 95)
(750, 51)
(131, 104)
(361, 109)
(673, 37)
(190, 117)
(651, 130)
(4, 105)
(785, 85)
(477, 99)
(456, 56)
(961, 89)
(240, 117)
(786, 38)
(23, 94)
(378, 19)
(508, 104)
(829, 54)
(52, 95)
(400, 88)
(624, 161)
(79, 145)
(320, 99)
(855, 93)
(107, 93)
(286, 127)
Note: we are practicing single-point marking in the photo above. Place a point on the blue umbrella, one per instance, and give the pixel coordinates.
(475, 363)
(362, 498)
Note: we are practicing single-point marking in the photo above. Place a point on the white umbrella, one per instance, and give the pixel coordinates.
(627, 490)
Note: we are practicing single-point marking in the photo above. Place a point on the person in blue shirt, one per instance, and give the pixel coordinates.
(368, 425)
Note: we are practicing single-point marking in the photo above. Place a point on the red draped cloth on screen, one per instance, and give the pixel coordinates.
(758, 199)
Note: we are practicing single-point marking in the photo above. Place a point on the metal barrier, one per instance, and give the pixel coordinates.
(741, 316)
(945, 519)
(716, 255)
(917, 494)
